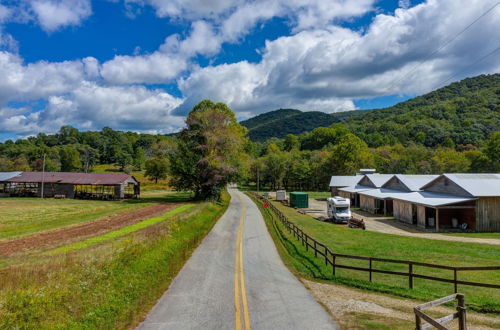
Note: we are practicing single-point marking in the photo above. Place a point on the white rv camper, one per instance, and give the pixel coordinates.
(339, 209)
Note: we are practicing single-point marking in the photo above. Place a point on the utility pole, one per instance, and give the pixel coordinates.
(43, 174)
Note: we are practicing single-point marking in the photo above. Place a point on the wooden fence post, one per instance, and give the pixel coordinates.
(462, 317)
(455, 280)
(315, 250)
(370, 269)
(307, 245)
(418, 322)
(333, 265)
(410, 275)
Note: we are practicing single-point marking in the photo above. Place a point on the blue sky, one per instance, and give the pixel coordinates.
(142, 64)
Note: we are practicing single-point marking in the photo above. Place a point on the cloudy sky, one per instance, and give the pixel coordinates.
(140, 65)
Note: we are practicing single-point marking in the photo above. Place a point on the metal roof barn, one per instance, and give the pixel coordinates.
(72, 185)
(477, 185)
(73, 178)
(4, 176)
(344, 180)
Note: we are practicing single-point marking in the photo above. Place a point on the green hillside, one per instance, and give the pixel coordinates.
(464, 113)
(279, 123)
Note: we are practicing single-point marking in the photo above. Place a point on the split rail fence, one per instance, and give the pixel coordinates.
(332, 259)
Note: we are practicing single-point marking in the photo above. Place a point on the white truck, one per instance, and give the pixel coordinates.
(339, 209)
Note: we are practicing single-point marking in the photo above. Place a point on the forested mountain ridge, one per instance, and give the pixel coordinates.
(464, 112)
(280, 123)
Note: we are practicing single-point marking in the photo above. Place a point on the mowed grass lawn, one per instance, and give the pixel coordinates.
(25, 216)
(341, 239)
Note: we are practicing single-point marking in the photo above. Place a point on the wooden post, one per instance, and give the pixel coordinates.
(326, 256)
(437, 220)
(410, 275)
(455, 280)
(315, 250)
(418, 322)
(462, 317)
(370, 269)
(333, 265)
(307, 245)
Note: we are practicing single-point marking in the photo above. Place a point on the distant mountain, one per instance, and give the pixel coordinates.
(279, 123)
(464, 112)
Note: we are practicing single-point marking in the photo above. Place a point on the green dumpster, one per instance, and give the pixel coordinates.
(299, 200)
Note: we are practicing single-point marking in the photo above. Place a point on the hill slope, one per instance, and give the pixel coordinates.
(465, 112)
(279, 123)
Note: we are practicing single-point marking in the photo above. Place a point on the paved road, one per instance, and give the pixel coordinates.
(236, 280)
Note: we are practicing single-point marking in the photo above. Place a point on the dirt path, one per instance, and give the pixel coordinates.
(81, 231)
(357, 309)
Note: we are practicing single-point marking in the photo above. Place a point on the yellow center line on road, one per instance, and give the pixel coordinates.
(240, 277)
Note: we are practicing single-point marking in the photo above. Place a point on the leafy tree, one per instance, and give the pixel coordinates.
(349, 155)
(139, 158)
(209, 150)
(156, 169)
(492, 151)
(323, 136)
(70, 159)
(291, 142)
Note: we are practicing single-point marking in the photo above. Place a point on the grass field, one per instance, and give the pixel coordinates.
(371, 244)
(24, 216)
(109, 285)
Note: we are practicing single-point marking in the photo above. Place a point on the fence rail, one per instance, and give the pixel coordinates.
(433, 323)
(331, 258)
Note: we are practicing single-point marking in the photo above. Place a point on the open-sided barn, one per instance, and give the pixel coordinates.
(380, 200)
(433, 202)
(4, 176)
(482, 210)
(72, 185)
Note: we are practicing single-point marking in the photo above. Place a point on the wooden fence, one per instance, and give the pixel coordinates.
(438, 324)
(332, 259)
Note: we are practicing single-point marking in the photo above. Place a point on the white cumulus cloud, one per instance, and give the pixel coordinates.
(54, 14)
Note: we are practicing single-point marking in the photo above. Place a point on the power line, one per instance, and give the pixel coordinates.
(443, 46)
(469, 66)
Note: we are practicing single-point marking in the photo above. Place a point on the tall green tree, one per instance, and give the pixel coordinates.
(156, 169)
(70, 159)
(349, 155)
(209, 150)
(492, 151)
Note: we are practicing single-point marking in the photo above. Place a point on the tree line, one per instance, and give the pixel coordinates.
(214, 149)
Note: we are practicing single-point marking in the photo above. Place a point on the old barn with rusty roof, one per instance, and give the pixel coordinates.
(71, 185)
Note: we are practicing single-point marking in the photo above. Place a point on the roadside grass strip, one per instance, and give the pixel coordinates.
(122, 231)
(371, 244)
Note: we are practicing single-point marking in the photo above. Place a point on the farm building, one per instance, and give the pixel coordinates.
(72, 185)
(4, 176)
(480, 205)
(433, 202)
(342, 181)
(380, 200)
(368, 182)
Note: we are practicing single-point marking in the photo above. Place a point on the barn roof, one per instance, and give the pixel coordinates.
(383, 193)
(344, 180)
(478, 185)
(379, 179)
(414, 182)
(355, 189)
(431, 199)
(74, 178)
(4, 176)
